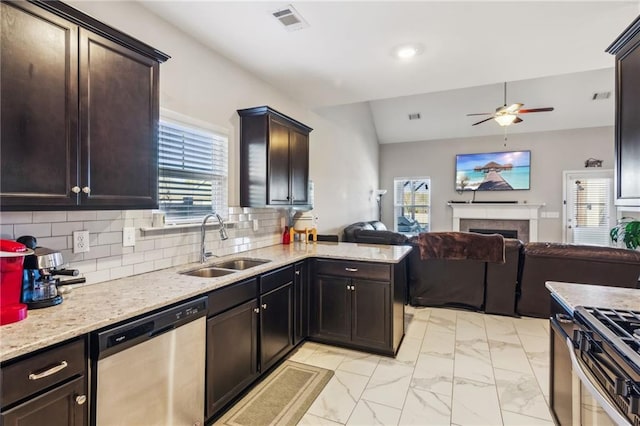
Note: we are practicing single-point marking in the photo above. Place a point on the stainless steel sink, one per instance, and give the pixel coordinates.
(208, 272)
(241, 263)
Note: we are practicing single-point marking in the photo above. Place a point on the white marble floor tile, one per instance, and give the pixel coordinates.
(433, 374)
(475, 403)
(509, 356)
(389, 383)
(302, 353)
(311, 420)
(409, 350)
(515, 419)
(425, 408)
(439, 344)
(421, 313)
(501, 329)
(339, 397)
(532, 326)
(468, 317)
(364, 364)
(442, 320)
(416, 328)
(520, 393)
(326, 358)
(472, 364)
(369, 413)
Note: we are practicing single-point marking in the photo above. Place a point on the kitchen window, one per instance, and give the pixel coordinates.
(193, 169)
(412, 203)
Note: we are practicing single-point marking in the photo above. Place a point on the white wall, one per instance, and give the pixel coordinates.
(551, 153)
(200, 83)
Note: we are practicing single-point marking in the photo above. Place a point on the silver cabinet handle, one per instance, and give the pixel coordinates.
(297, 272)
(256, 310)
(264, 306)
(348, 287)
(86, 190)
(351, 269)
(81, 399)
(49, 372)
(75, 189)
(564, 319)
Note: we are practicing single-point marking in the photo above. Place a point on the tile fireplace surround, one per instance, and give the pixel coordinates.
(508, 216)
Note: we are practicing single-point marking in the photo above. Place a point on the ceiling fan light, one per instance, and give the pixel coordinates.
(505, 119)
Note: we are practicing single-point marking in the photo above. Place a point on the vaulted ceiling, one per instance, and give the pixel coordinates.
(550, 52)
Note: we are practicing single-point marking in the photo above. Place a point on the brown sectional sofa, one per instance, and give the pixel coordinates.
(517, 287)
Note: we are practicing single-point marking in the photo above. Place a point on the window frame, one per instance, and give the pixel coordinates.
(402, 206)
(198, 126)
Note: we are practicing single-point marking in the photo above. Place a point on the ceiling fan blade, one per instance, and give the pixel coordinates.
(480, 113)
(517, 120)
(480, 122)
(524, 111)
(513, 107)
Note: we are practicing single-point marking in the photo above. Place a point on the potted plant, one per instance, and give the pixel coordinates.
(627, 231)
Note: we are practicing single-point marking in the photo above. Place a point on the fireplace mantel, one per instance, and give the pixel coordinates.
(497, 211)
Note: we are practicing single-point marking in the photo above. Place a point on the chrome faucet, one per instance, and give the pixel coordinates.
(223, 235)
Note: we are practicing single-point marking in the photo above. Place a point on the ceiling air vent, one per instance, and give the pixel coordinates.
(599, 96)
(290, 18)
(414, 116)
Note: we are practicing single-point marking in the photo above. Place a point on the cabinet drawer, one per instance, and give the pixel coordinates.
(275, 279)
(365, 270)
(40, 371)
(232, 295)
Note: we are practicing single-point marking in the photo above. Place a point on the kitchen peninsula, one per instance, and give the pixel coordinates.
(92, 307)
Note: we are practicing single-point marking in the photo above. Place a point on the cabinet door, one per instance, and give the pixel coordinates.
(232, 354)
(299, 149)
(301, 303)
(64, 405)
(38, 98)
(278, 171)
(628, 126)
(332, 308)
(118, 125)
(276, 325)
(371, 302)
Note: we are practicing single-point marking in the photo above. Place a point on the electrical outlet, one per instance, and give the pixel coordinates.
(256, 226)
(80, 241)
(128, 236)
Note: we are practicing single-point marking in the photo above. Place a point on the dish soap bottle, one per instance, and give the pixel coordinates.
(286, 236)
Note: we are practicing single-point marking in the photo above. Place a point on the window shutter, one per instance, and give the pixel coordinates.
(591, 215)
(193, 171)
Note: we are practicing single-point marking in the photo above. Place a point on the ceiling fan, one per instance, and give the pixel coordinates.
(508, 115)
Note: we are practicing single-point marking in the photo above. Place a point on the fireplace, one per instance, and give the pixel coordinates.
(507, 233)
(522, 218)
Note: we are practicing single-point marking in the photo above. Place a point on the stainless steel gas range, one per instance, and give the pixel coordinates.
(605, 353)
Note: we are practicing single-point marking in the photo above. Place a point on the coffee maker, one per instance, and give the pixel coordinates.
(39, 285)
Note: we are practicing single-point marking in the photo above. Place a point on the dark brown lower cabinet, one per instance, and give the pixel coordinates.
(357, 304)
(301, 302)
(57, 407)
(560, 369)
(232, 354)
(276, 325)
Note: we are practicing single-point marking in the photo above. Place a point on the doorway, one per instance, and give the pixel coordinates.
(588, 212)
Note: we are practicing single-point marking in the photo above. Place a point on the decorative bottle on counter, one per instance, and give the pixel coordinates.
(286, 237)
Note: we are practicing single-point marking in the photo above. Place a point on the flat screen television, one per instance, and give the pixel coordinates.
(493, 171)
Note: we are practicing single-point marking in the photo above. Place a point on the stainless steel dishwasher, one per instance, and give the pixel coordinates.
(151, 371)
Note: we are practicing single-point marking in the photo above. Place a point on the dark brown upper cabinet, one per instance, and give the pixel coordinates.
(274, 159)
(79, 112)
(626, 48)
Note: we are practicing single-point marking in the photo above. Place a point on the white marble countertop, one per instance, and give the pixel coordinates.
(92, 307)
(573, 295)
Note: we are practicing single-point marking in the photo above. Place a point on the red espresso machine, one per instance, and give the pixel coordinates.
(12, 256)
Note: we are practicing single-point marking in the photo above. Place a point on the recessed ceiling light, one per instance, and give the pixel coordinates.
(407, 51)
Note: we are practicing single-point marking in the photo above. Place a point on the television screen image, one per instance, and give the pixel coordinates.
(493, 171)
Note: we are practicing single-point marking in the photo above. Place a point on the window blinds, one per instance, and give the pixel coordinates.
(193, 171)
(591, 216)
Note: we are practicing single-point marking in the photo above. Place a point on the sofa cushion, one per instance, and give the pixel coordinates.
(367, 236)
(377, 225)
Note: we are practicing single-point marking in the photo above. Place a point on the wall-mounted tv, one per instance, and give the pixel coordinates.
(493, 171)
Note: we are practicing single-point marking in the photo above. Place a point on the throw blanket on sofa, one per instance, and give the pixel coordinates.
(461, 246)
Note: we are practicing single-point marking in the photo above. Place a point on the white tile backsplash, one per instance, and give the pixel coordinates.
(157, 249)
